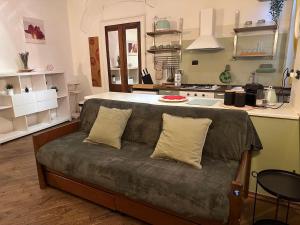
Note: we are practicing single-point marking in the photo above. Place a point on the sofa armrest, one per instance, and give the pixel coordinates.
(243, 173)
(43, 138)
(239, 189)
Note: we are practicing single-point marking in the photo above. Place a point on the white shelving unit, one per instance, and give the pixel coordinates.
(43, 107)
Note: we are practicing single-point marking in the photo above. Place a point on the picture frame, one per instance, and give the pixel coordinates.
(132, 48)
(34, 30)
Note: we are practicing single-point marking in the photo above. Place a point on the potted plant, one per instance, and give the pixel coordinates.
(276, 9)
(9, 89)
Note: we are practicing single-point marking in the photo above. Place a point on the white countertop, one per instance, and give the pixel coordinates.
(284, 112)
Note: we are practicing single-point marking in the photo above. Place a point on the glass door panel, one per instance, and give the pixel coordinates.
(114, 57)
(132, 53)
(123, 49)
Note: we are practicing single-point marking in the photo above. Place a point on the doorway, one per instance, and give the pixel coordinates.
(123, 48)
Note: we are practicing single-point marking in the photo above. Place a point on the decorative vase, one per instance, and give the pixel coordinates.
(24, 59)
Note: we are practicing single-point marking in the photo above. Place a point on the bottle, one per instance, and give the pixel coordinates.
(177, 78)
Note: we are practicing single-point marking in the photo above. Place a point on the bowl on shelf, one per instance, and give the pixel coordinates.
(162, 24)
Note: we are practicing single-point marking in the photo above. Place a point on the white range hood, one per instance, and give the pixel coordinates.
(207, 39)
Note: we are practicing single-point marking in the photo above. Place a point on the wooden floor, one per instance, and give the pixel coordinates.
(23, 203)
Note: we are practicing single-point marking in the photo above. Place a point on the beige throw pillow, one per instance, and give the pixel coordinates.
(109, 126)
(182, 139)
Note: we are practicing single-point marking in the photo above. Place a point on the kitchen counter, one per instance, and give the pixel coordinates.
(189, 87)
(286, 111)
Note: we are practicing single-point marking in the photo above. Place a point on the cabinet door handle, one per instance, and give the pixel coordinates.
(195, 95)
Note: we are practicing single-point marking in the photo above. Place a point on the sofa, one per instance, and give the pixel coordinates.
(157, 191)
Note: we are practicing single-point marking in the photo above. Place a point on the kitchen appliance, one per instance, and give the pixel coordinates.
(229, 97)
(199, 94)
(207, 39)
(201, 87)
(254, 91)
(240, 99)
(271, 96)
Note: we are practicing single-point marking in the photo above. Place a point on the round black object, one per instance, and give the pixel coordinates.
(269, 222)
(250, 99)
(240, 99)
(253, 88)
(229, 98)
(280, 183)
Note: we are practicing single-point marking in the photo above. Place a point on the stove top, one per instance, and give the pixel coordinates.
(207, 87)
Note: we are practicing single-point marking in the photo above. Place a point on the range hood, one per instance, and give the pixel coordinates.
(207, 39)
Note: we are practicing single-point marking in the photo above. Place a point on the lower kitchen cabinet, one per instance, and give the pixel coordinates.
(280, 139)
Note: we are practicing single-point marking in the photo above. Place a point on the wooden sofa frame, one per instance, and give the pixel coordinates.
(123, 204)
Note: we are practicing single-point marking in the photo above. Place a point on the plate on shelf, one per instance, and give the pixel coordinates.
(173, 98)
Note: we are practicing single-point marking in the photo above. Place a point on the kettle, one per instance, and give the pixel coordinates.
(271, 96)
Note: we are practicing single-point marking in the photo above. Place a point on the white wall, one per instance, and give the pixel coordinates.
(56, 51)
(88, 16)
(295, 94)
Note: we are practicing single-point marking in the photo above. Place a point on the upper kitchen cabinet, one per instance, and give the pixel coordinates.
(257, 42)
(123, 47)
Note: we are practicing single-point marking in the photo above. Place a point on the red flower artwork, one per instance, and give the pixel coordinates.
(35, 32)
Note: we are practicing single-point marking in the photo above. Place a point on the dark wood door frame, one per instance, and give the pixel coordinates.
(121, 28)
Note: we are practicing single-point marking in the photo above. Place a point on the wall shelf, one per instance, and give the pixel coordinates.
(174, 52)
(254, 57)
(272, 28)
(5, 107)
(163, 50)
(255, 28)
(163, 32)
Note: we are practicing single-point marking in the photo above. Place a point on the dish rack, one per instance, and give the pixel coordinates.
(168, 61)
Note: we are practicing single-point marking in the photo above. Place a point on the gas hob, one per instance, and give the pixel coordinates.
(201, 87)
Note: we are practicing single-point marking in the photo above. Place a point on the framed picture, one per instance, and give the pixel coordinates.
(132, 48)
(34, 30)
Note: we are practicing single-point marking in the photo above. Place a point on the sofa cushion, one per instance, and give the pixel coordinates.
(230, 133)
(162, 183)
(182, 139)
(109, 126)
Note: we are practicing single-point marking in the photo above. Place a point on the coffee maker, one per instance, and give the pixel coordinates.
(253, 91)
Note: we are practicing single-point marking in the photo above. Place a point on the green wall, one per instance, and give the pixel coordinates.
(211, 64)
(280, 139)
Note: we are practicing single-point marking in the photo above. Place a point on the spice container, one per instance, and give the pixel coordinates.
(240, 99)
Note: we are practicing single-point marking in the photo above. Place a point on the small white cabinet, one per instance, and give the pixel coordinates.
(46, 105)
(45, 95)
(23, 99)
